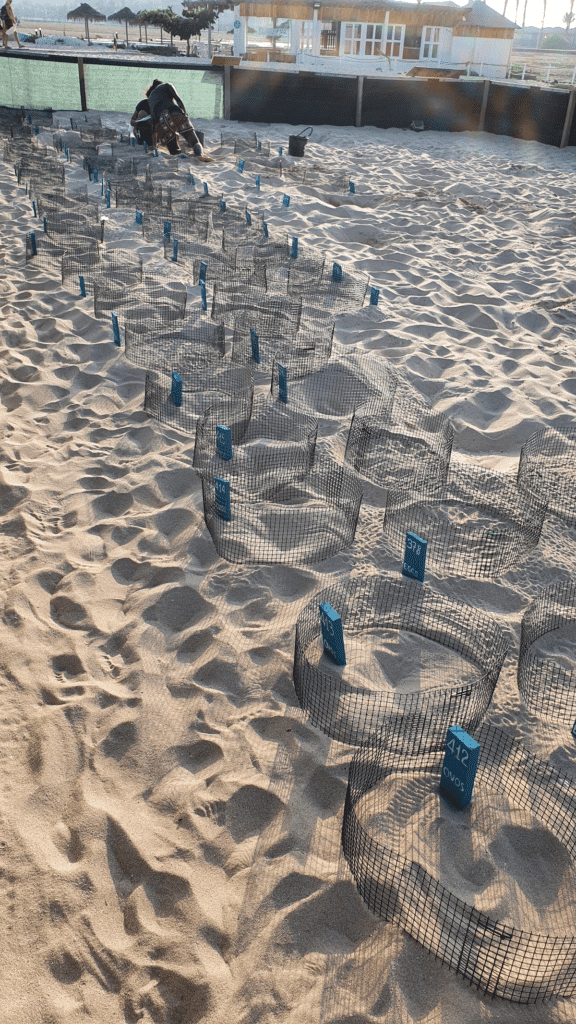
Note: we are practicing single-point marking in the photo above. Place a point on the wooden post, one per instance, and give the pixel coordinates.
(359, 94)
(568, 119)
(83, 105)
(226, 92)
(484, 105)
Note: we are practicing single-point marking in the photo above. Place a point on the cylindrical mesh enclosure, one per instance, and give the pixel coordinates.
(200, 389)
(188, 346)
(339, 387)
(317, 287)
(59, 202)
(476, 524)
(276, 446)
(301, 523)
(47, 254)
(138, 195)
(547, 662)
(391, 799)
(409, 653)
(247, 291)
(74, 223)
(547, 473)
(45, 179)
(190, 254)
(391, 442)
(150, 305)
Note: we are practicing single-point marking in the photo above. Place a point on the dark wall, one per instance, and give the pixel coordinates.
(535, 114)
(444, 105)
(302, 98)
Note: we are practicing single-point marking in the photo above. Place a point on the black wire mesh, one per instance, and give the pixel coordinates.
(497, 958)
(189, 346)
(338, 388)
(72, 223)
(326, 288)
(300, 523)
(274, 447)
(476, 524)
(390, 673)
(200, 389)
(46, 254)
(547, 662)
(47, 179)
(137, 195)
(311, 342)
(121, 267)
(59, 202)
(151, 305)
(546, 470)
(190, 254)
(390, 442)
(247, 291)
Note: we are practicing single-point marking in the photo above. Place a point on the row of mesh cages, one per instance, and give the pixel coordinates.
(547, 662)
(153, 304)
(411, 656)
(191, 345)
(179, 403)
(122, 269)
(162, 226)
(546, 470)
(476, 522)
(391, 798)
(298, 523)
(276, 446)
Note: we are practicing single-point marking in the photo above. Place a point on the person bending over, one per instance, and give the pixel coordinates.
(169, 115)
(8, 24)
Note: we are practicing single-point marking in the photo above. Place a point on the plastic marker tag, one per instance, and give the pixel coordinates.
(255, 346)
(203, 295)
(34, 208)
(259, 144)
(223, 206)
(138, 217)
(192, 179)
(108, 199)
(332, 633)
(285, 200)
(282, 383)
(265, 228)
(133, 141)
(167, 229)
(248, 218)
(279, 150)
(95, 174)
(257, 182)
(414, 564)
(175, 251)
(205, 187)
(224, 442)
(459, 767)
(44, 224)
(374, 296)
(33, 242)
(202, 274)
(240, 166)
(222, 495)
(82, 285)
(155, 152)
(102, 187)
(176, 391)
(294, 248)
(336, 272)
(115, 329)
(351, 187)
(573, 730)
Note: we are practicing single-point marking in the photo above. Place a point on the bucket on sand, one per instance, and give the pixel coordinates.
(297, 143)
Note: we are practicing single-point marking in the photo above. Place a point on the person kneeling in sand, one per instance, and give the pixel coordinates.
(8, 24)
(169, 118)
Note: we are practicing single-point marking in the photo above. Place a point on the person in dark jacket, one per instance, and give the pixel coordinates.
(169, 115)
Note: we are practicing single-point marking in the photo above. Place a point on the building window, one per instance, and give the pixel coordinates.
(329, 35)
(394, 40)
(352, 38)
(430, 41)
(306, 36)
(373, 40)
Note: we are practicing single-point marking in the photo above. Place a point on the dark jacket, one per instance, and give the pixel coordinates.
(162, 100)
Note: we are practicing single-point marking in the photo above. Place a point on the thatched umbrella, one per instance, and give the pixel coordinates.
(85, 13)
(125, 15)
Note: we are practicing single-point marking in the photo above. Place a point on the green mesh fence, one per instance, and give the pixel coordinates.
(39, 84)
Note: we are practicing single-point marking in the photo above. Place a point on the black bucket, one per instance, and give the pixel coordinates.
(297, 143)
(200, 136)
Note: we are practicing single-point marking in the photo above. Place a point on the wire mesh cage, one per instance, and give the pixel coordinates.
(390, 442)
(189, 346)
(388, 797)
(153, 304)
(46, 254)
(339, 387)
(72, 223)
(299, 523)
(547, 662)
(274, 447)
(85, 264)
(229, 139)
(138, 195)
(60, 202)
(252, 345)
(409, 653)
(84, 121)
(180, 408)
(476, 523)
(48, 179)
(246, 290)
(122, 267)
(546, 470)
(328, 286)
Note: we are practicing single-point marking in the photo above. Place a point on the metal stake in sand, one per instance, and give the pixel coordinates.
(332, 633)
(255, 345)
(115, 329)
(248, 218)
(176, 391)
(34, 208)
(282, 383)
(108, 199)
(44, 224)
(95, 174)
(459, 767)
(265, 228)
(414, 564)
(222, 496)
(224, 442)
(102, 188)
(82, 284)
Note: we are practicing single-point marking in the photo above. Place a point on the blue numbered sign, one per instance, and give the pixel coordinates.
(176, 391)
(138, 217)
(285, 200)
(202, 274)
(279, 150)
(175, 251)
(115, 329)
(258, 182)
(205, 187)
(336, 272)
(240, 166)
(414, 564)
(167, 229)
(282, 383)
(351, 187)
(82, 285)
(203, 295)
(222, 495)
(374, 296)
(294, 248)
(255, 345)
(459, 767)
(573, 730)
(332, 633)
(224, 442)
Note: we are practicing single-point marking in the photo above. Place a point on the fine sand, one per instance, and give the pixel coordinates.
(170, 824)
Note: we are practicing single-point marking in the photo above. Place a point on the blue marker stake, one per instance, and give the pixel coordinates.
(248, 217)
(374, 296)
(332, 633)
(167, 229)
(145, 148)
(36, 130)
(279, 150)
(414, 564)
(95, 174)
(29, 118)
(259, 144)
(223, 206)
(351, 187)
(224, 442)
(336, 272)
(102, 188)
(26, 189)
(265, 228)
(202, 273)
(222, 495)
(240, 166)
(133, 141)
(155, 152)
(203, 296)
(176, 391)
(44, 223)
(257, 182)
(175, 251)
(19, 175)
(285, 200)
(116, 330)
(205, 187)
(138, 217)
(459, 767)
(108, 199)
(192, 179)
(33, 242)
(294, 248)
(255, 345)
(82, 285)
(573, 730)
(34, 208)
(282, 383)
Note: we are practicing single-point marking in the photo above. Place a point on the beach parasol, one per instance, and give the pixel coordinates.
(125, 15)
(85, 13)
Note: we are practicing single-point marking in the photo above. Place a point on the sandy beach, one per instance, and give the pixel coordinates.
(170, 821)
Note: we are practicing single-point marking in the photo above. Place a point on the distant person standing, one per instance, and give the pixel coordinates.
(169, 116)
(8, 24)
